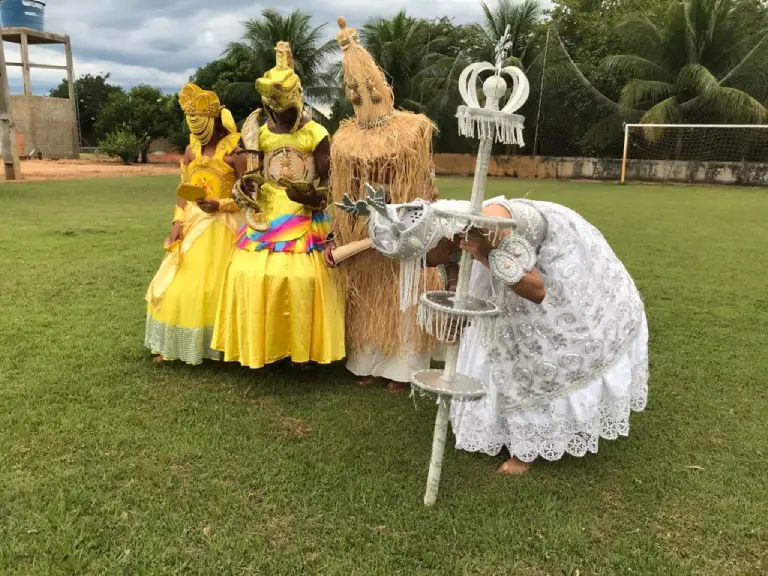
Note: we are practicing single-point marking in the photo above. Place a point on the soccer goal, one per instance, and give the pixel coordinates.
(694, 152)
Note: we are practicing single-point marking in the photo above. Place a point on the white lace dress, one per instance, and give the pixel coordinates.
(563, 374)
(372, 363)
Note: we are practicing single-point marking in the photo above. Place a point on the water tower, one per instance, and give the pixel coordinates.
(27, 122)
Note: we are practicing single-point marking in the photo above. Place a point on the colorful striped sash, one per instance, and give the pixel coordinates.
(288, 233)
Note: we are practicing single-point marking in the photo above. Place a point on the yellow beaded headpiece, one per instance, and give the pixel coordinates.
(364, 82)
(280, 87)
(201, 108)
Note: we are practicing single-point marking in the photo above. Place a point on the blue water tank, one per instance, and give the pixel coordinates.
(22, 14)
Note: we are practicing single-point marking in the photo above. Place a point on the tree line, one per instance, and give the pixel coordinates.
(659, 61)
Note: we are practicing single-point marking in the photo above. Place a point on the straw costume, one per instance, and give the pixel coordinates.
(278, 299)
(393, 148)
(183, 296)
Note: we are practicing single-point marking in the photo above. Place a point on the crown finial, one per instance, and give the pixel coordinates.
(283, 56)
(342, 22)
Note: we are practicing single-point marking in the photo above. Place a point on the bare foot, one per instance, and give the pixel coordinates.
(397, 387)
(515, 467)
(158, 360)
(365, 382)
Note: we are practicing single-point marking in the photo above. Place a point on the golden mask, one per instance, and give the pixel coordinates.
(201, 108)
(365, 85)
(280, 87)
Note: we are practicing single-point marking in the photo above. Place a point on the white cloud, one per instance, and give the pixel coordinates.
(161, 42)
(124, 74)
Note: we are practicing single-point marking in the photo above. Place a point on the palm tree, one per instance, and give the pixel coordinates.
(400, 45)
(257, 50)
(522, 17)
(682, 67)
(440, 77)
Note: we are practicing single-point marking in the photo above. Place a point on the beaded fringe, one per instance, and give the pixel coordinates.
(486, 124)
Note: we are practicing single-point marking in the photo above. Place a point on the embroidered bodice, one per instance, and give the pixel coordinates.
(289, 156)
(212, 173)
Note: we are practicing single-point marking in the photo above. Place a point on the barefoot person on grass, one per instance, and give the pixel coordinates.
(183, 296)
(566, 362)
(570, 359)
(390, 148)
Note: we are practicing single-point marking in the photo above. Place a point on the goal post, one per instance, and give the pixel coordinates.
(691, 151)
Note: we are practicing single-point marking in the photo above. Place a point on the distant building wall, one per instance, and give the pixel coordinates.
(740, 173)
(48, 125)
(160, 145)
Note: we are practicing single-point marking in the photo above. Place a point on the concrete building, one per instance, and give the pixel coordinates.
(45, 125)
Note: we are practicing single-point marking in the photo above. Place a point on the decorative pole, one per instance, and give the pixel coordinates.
(445, 314)
(447, 311)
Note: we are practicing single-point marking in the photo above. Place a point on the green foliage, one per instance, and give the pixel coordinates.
(459, 46)
(144, 111)
(589, 31)
(218, 74)
(675, 68)
(401, 46)
(92, 94)
(341, 109)
(522, 17)
(254, 54)
(605, 65)
(121, 143)
(178, 131)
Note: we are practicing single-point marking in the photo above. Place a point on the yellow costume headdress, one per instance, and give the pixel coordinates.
(201, 108)
(280, 87)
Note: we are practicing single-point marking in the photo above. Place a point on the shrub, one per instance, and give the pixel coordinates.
(121, 144)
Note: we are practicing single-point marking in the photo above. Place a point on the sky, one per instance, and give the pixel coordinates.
(162, 42)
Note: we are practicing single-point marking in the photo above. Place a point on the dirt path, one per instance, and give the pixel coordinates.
(41, 170)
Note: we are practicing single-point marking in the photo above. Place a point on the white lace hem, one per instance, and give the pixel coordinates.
(372, 363)
(572, 425)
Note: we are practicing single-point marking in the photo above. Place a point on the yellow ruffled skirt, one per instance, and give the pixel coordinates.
(277, 305)
(181, 327)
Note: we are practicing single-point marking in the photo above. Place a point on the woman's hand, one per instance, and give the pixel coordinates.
(304, 193)
(208, 205)
(177, 233)
(300, 194)
(444, 253)
(250, 183)
(478, 245)
(330, 244)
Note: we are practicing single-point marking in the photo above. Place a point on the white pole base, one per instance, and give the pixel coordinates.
(438, 447)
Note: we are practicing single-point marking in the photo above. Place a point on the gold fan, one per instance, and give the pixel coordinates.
(190, 193)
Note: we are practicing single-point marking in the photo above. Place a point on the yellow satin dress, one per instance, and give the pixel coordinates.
(183, 296)
(278, 299)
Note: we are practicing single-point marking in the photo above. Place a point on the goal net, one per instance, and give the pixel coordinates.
(693, 152)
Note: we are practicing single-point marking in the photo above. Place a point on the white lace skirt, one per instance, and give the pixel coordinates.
(372, 363)
(569, 425)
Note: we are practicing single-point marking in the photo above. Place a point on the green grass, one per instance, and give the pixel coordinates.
(110, 465)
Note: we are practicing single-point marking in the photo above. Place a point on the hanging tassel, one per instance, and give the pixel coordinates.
(410, 280)
(486, 124)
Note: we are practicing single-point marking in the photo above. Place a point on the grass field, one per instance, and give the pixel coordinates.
(110, 465)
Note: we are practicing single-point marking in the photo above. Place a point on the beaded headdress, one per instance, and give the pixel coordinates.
(201, 108)
(364, 82)
(280, 87)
